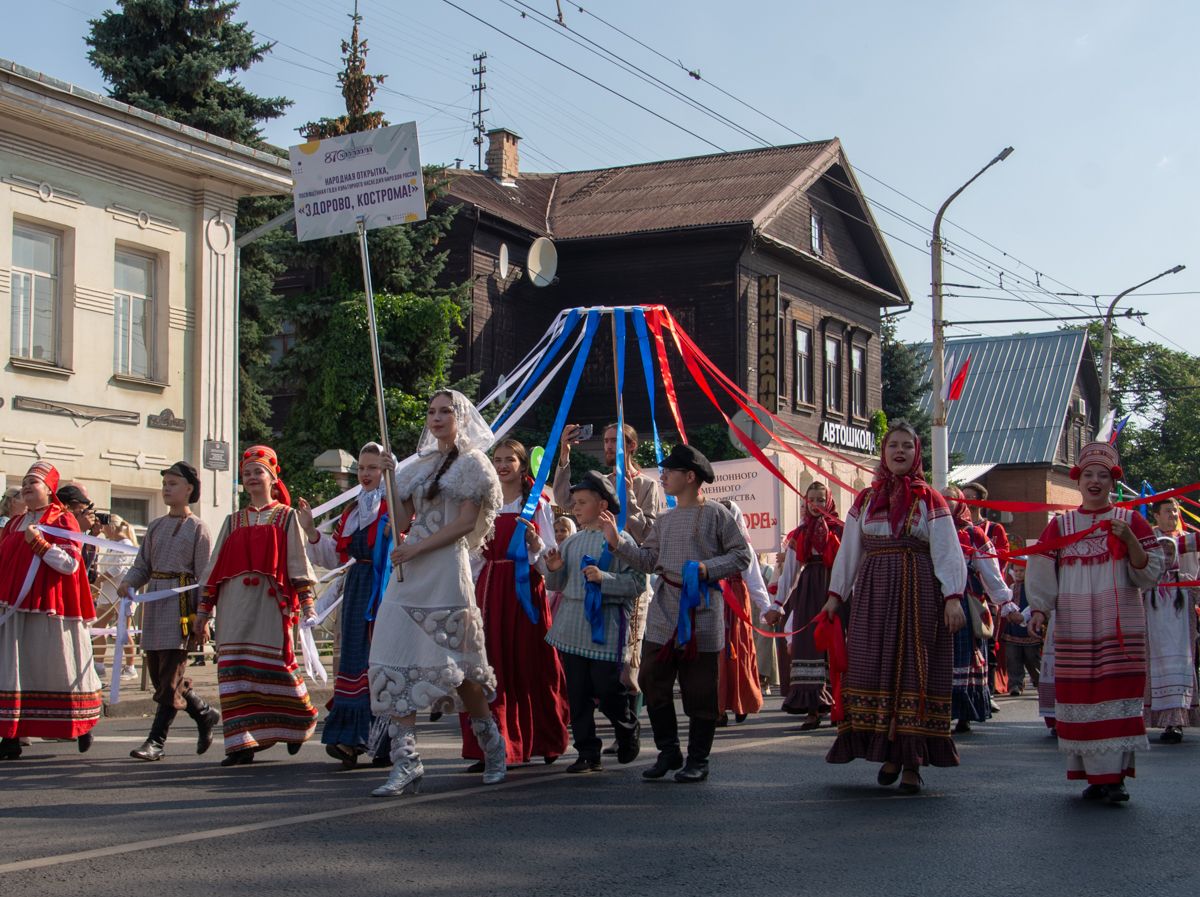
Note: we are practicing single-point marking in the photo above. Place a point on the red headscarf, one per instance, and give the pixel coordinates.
(265, 457)
(892, 495)
(813, 536)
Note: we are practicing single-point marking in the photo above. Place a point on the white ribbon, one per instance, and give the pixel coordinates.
(533, 397)
(74, 536)
(313, 667)
(527, 363)
(337, 501)
(122, 631)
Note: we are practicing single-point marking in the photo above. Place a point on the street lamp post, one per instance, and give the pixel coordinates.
(1108, 338)
(941, 448)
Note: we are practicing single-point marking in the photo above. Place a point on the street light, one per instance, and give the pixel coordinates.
(1108, 337)
(941, 449)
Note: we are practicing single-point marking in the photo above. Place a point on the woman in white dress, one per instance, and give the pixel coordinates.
(428, 647)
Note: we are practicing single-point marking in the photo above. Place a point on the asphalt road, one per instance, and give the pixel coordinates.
(774, 818)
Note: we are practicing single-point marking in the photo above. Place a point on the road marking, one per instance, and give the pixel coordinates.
(374, 806)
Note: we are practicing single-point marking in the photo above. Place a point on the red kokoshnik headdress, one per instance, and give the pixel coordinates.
(1102, 453)
(892, 495)
(265, 457)
(48, 474)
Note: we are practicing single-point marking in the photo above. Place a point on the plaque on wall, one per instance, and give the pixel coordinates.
(768, 341)
(216, 454)
(166, 420)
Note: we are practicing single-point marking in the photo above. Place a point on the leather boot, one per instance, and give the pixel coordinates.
(206, 719)
(700, 739)
(152, 747)
(666, 739)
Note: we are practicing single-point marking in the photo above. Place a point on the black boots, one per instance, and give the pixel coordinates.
(152, 747)
(666, 739)
(10, 748)
(206, 719)
(700, 739)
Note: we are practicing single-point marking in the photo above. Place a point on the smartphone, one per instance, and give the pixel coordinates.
(584, 432)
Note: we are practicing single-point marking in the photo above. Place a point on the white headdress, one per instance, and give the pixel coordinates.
(473, 430)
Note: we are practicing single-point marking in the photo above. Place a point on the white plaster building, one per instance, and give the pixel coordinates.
(117, 285)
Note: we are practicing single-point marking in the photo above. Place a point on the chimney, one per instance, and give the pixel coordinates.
(502, 159)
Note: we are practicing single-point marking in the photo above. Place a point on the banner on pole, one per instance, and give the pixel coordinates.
(755, 491)
(374, 175)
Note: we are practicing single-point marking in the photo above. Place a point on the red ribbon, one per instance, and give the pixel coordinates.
(1033, 506)
(828, 637)
(654, 317)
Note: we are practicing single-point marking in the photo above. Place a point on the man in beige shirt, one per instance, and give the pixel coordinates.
(644, 501)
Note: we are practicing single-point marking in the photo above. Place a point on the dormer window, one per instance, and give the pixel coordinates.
(818, 239)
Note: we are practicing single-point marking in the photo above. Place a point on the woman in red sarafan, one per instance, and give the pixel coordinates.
(48, 686)
(531, 689)
(258, 581)
(1091, 581)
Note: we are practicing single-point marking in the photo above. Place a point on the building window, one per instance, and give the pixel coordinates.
(35, 293)
(858, 379)
(802, 376)
(133, 315)
(833, 374)
(818, 237)
(134, 510)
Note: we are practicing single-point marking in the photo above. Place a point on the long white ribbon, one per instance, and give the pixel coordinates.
(313, 667)
(337, 501)
(533, 397)
(75, 536)
(122, 631)
(518, 373)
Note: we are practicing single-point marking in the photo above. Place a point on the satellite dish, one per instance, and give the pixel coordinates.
(543, 262)
(760, 434)
(502, 266)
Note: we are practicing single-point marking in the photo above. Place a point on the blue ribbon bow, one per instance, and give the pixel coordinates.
(593, 601)
(694, 593)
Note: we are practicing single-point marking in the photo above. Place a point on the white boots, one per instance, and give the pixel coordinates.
(407, 769)
(495, 751)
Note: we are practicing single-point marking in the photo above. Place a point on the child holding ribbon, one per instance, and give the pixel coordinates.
(690, 549)
(174, 553)
(589, 631)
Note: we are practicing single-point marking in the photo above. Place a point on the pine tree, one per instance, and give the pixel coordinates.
(328, 371)
(178, 58)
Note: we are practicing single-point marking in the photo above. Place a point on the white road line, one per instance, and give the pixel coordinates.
(374, 806)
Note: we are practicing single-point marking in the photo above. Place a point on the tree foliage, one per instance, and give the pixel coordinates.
(1160, 388)
(177, 59)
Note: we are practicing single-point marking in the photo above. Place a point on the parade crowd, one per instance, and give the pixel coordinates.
(526, 613)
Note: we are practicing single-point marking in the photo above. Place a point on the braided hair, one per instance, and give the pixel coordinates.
(451, 456)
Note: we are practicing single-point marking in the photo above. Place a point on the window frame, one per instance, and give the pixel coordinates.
(833, 382)
(816, 232)
(150, 318)
(858, 382)
(16, 326)
(802, 365)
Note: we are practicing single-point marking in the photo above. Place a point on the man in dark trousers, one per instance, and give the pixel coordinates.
(690, 548)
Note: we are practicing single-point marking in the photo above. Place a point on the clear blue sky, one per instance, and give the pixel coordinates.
(1098, 97)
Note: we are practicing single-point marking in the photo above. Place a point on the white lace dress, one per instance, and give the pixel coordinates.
(429, 635)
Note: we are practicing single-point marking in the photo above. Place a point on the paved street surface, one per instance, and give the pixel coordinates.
(773, 819)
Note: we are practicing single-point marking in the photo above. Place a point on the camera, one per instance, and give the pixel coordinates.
(585, 431)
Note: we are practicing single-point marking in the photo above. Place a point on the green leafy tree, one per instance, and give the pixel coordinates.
(1160, 388)
(329, 370)
(179, 59)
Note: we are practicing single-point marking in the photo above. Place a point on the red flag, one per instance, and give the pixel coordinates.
(960, 380)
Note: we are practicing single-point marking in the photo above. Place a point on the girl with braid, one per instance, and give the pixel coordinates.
(428, 650)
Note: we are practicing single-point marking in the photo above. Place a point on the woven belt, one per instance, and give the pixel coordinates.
(185, 579)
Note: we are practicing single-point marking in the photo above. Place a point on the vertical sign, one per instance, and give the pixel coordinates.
(768, 341)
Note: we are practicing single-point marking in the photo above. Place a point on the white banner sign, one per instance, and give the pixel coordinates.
(756, 492)
(375, 175)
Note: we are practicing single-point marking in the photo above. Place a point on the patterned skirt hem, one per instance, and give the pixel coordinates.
(908, 750)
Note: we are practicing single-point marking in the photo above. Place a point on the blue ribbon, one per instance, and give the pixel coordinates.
(542, 365)
(619, 352)
(593, 601)
(643, 337)
(381, 566)
(694, 593)
(517, 552)
(1147, 490)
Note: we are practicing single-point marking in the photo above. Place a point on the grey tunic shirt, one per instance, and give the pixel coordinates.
(707, 533)
(173, 545)
(621, 587)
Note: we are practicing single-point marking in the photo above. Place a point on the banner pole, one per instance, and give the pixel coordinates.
(389, 480)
